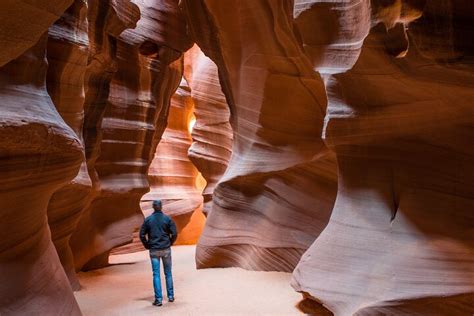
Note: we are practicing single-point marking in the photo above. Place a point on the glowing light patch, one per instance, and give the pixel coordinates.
(191, 123)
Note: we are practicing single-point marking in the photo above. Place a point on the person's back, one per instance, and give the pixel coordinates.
(158, 227)
(158, 233)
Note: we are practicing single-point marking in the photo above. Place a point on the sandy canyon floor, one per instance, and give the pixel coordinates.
(125, 288)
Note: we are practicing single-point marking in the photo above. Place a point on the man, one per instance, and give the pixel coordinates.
(161, 231)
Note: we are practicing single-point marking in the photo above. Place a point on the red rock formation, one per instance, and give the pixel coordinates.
(23, 23)
(332, 32)
(172, 176)
(39, 154)
(399, 121)
(212, 133)
(132, 105)
(400, 240)
(67, 54)
(275, 196)
(107, 20)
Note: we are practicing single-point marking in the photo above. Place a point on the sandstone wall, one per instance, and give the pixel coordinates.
(39, 154)
(400, 240)
(212, 133)
(335, 137)
(277, 192)
(126, 111)
(84, 96)
(67, 53)
(172, 176)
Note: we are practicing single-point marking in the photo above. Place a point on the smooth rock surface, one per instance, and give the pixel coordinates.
(172, 176)
(39, 154)
(67, 53)
(126, 112)
(279, 187)
(212, 133)
(401, 239)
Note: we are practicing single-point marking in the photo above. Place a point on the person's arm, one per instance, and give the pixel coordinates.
(173, 232)
(143, 232)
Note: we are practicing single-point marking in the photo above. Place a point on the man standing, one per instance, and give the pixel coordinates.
(161, 231)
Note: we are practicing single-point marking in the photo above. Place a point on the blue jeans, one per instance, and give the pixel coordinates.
(165, 256)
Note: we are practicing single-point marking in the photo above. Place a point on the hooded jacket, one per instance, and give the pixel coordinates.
(158, 231)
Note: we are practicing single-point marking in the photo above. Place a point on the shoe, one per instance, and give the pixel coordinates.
(157, 303)
(171, 299)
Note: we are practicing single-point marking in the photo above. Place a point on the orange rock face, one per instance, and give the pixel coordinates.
(24, 22)
(212, 133)
(39, 154)
(278, 189)
(400, 239)
(131, 82)
(83, 108)
(172, 176)
(332, 139)
(67, 53)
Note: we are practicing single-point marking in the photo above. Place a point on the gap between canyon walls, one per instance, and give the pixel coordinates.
(172, 176)
(332, 139)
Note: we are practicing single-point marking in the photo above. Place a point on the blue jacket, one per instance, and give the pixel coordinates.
(161, 231)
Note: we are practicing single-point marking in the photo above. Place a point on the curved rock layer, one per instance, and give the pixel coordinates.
(212, 133)
(107, 20)
(130, 82)
(39, 154)
(277, 192)
(400, 240)
(24, 22)
(85, 91)
(67, 54)
(172, 176)
(332, 32)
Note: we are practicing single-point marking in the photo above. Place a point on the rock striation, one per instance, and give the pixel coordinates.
(400, 240)
(24, 22)
(131, 79)
(172, 176)
(39, 154)
(212, 133)
(276, 194)
(85, 93)
(67, 54)
(334, 138)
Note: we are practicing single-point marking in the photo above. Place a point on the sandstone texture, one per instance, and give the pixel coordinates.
(39, 154)
(132, 78)
(67, 53)
(212, 133)
(276, 194)
(328, 138)
(172, 176)
(24, 22)
(400, 240)
(84, 95)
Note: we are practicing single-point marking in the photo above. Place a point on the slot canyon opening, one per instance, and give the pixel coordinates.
(311, 150)
(172, 176)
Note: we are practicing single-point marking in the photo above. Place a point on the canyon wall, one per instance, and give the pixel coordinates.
(39, 153)
(334, 136)
(400, 240)
(132, 78)
(276, 194)
(212, 133)
(172, 176)
(398, 76)
(84, 93)
(67, 53)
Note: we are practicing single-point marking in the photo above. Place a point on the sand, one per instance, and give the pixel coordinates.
(125, 288)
